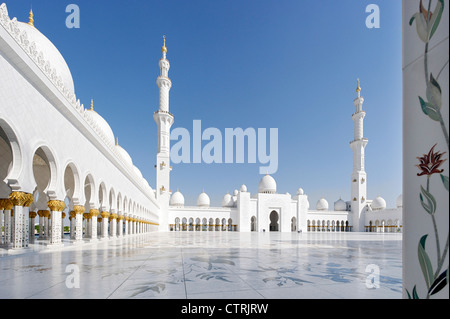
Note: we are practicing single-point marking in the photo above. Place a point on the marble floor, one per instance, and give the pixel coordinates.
(210, 265)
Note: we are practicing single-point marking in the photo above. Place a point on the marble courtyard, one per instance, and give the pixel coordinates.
(211, 265)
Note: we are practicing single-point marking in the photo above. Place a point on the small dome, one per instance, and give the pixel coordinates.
(300, 191)
(177, 199)
(399, 201)
(235, 192)
(103, 126)
(340, 205)
(227, 201)
(322, 204)
(203, 200)
(124, 155)
(378, 203)
(267, 185)
(243, 188)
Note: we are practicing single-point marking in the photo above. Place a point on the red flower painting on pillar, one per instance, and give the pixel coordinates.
(429, 163)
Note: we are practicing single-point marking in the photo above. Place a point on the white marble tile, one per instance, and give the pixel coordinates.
(210, 266)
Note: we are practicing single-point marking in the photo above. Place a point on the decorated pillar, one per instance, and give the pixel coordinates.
(105, 219)
(32, 226)
(1, 222)
(46, 224)
(113, 224)
(425, 149)
(56, 208)
(79, 210)
(99, 226)
(63, 215)
(120, 226)
(7, 211)
(72, 218)
(126, 218)
(21, 202)
(26, 220)
(93, 215)
(41, 224)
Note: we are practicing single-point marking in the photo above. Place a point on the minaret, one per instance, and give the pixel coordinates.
(359, 177)
(164, 121)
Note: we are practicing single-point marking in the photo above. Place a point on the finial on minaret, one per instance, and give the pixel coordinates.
(31, 18)
(358, 89)
(117, 141)
(92, 105)
(164, 49)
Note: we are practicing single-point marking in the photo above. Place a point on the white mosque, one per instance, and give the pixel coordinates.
(60, 160)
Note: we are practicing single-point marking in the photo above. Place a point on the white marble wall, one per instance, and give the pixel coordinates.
(425, 140)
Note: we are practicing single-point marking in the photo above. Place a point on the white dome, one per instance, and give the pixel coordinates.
(378, 203)
(227, 201)
(50, 54)
(399, 201)
(103, 126)
(137, 171)
(146, 184)
(177, 199)
(267, 185)
(203, 200)
(300, 191)
(124, 154)
(322, 204)
(340, 205)
(243, 188)
(235, 192)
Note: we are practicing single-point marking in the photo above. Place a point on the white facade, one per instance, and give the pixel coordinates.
(269, 211)
(59, 158)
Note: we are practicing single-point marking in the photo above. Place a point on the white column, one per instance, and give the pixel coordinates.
(7, 206)
(120, 226)
(94, 214)
(46, 224)
(41, 224)
(63, 215)
(126, 225)
(32, 226)
(56, 208)
(113, 224)
(21, 202)
(425, 146)
(1, 222)
(72, 219)
(105, 216)
(79, 210)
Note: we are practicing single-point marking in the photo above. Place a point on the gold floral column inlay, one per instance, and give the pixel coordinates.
(104, 214)
(6, 203)
(20, 198)
(94, 212)
(56, 205)
(78, 209)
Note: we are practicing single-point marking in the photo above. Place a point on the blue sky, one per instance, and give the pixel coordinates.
(286, 64)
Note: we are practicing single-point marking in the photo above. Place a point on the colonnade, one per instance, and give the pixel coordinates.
(17, 223)
(328, 226)
(203, 225)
